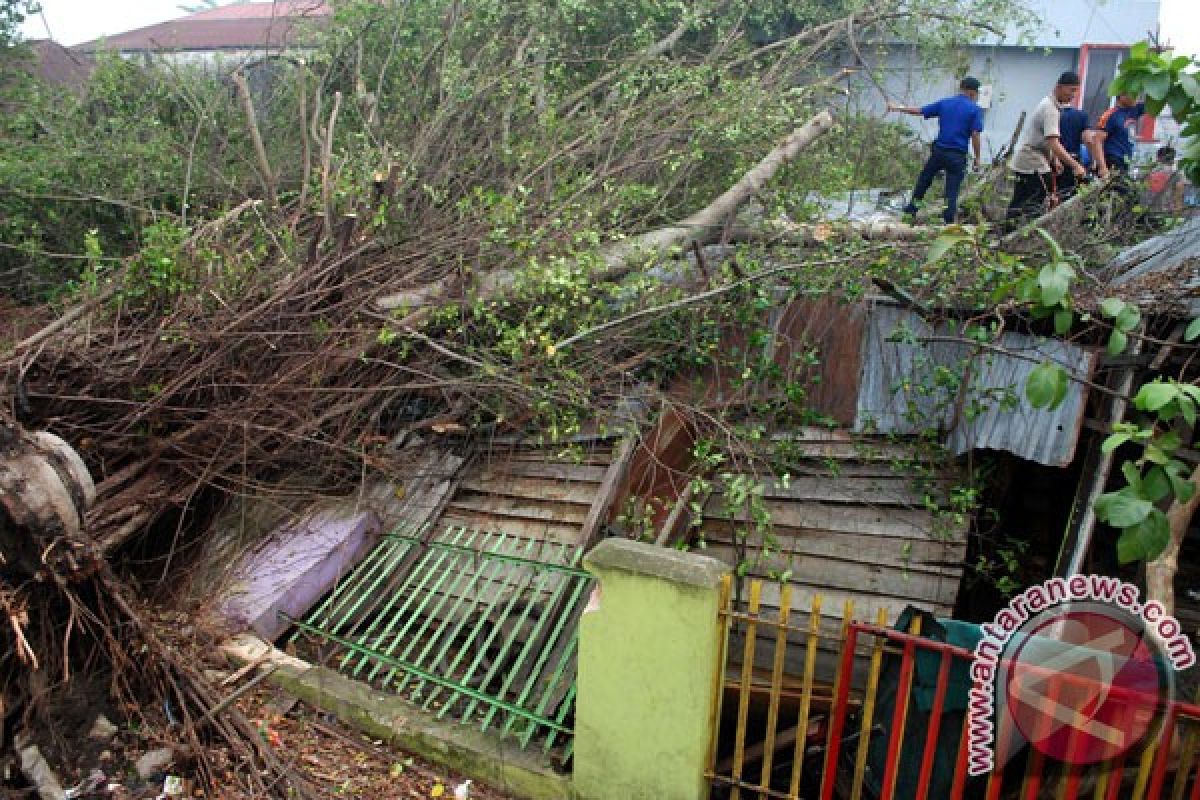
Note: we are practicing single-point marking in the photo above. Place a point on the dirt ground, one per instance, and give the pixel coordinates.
(331, 758)
(340, 762)
(334, 760)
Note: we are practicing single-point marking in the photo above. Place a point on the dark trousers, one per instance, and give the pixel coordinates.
(954, 164)
(1066, 184)
(1030, 191)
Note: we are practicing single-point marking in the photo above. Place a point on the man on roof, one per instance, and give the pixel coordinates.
(960, 121)
(1041, 154)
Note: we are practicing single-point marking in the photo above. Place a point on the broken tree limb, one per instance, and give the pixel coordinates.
(326, 161)
(656, 311)
(663, 46)
(884, 230)
(1160, 573)
(1059, 212)
(620, 257)
(260, 152)
(66, 320)
(709, 220)
(37, 771)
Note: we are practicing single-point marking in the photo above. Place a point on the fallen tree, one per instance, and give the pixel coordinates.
(280, 347)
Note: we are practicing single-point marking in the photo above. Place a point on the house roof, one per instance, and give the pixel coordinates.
(1162, 274)
(236, 27)
(58, 66)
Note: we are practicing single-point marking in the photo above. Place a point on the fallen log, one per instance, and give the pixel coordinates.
(621, 257)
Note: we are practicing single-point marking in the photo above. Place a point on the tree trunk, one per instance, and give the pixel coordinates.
(1160, 573)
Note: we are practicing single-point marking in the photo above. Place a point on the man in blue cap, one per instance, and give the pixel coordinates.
(960, 121)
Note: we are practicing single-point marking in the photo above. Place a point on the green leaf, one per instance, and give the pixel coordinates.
(1187, 408)
(1122, 509)
(1055, 250)
(1062, 322)
(1157, 87)
(1145, 541)
(1190, 85)
(1139, 52)
(1117, 340)
(1133, 475)
(1046, 386)
(1156, 485)
(1169, 441)
(1155, 454)
(1055, 281)
(1153, 396)
(1112, 306)
(1193, 330)
(1114, 441)
(943, 245)
(1182, 488)
(1128, 319)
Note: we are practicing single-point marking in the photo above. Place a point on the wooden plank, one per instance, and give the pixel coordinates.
(849, 576)
(901, 523)
(519, 508)
(605, 498)
(562, 455)
(901, 491)
(921, 553)
(840, 468)
(524, 528)
(531, 488)
(580, 473)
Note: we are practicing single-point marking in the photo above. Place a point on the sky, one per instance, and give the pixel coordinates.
(74, 21)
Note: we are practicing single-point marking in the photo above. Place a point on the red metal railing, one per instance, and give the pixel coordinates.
(1156, 762)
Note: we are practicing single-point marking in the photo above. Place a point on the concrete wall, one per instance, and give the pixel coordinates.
(647, 673)
(1019, 77)
(1020, 72)
(1069, 23)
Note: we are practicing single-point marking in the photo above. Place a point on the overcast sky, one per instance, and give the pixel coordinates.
(75, 21)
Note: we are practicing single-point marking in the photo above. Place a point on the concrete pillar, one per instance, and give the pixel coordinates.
(647, 668)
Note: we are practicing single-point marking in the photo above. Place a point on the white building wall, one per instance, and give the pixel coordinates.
(1019, 78)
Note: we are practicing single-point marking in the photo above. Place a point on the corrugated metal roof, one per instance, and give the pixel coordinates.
(900, 391)
(1162, 273)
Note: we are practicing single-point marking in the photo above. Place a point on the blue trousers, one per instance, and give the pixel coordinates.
(954, 164)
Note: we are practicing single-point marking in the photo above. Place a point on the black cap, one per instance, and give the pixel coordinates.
(1068, 78)
(969, 83)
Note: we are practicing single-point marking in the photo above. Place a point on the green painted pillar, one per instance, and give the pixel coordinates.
(647, 667)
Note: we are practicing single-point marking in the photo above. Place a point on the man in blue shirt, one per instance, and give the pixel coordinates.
(960, 122)
(1111, 143)
(1072, 122)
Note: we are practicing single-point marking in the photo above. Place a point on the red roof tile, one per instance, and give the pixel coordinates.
(248, 26)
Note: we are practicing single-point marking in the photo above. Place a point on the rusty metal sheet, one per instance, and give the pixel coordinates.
(834, 329)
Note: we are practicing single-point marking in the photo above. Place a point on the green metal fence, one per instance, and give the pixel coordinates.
(477, 625)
